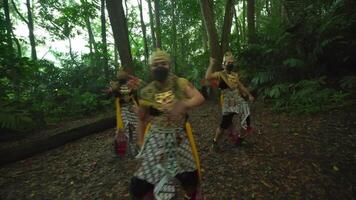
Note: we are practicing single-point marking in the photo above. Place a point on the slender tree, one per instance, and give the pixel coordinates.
(153, 35)
(174, 34)
(158, 24)
(244, 19)
(229, 8)
(208, 16)
(251, 20)
(30, 25)
(143, 28)
(238, 30)
(121, 36)
(103, 40)
(216, 48)
(87, 9)
(8, 22)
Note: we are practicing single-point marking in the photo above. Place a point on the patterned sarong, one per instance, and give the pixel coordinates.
(232, 102)
(165, 153)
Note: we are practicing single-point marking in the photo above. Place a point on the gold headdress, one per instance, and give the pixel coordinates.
(228, 56)
(159, 55)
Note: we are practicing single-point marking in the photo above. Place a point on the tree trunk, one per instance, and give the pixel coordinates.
(143, 27)
(244, 19)
(158, 23)
(208, 16)
(92, 43)
(121, 36)
(174, 36)
(8, 23)
(268, 8)
(238, 31)
(151, 24)
(258, 8)
(116, 57)
(126, 9)
(103, 40)
(31, 28)
(204, 37)
(229, 8)
(251, 20)
(71, 51)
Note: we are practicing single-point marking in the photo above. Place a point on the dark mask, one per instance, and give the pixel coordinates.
(229, 67)
(160, 73)
(122, 81)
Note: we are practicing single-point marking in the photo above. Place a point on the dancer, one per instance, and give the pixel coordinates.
(168, 151)
(124, 90)
(232, 101)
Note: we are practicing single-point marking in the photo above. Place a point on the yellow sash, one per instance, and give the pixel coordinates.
(193, 146)
(225, 78)
(119, 123)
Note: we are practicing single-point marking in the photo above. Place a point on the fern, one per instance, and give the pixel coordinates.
(15, 119)
(348, 82)
(294, 62)
(276, 91)
(262, 78)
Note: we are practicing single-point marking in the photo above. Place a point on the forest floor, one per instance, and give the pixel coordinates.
(287, 157)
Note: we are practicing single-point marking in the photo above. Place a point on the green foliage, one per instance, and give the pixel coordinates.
(348, 82)
(305, 96)
(295, 63)
(14, 118)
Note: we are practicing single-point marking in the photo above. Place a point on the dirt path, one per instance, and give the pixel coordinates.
(292, 158)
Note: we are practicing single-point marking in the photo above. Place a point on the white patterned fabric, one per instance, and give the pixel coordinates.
(130, 120)
(234, 103)
(165, 153)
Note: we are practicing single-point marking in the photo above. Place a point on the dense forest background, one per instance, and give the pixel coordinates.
(299, 56)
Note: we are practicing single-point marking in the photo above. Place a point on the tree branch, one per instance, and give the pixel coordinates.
(18, 12)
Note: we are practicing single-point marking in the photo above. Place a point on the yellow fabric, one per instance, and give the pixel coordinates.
(193, 146)
(148, 126)
(119, 123)
(182, 83)
(221, 99)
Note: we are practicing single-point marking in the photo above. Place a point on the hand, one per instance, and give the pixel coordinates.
(119, 135)
(132, 83)
(107, 90)
(212, 61)
(135, 108)
(251, 98)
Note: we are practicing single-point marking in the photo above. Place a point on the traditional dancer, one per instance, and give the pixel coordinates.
(124, 89)
(232, 101)
(168, 150)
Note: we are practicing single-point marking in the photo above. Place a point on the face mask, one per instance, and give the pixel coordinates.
(229, 67)
(160, 73)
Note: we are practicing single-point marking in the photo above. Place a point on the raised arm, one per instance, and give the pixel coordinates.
(209, 72)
